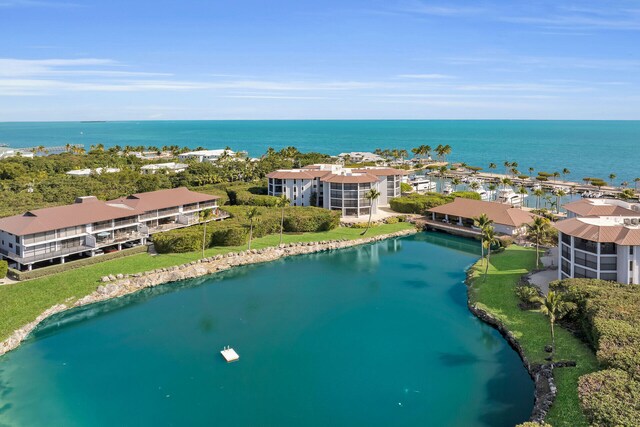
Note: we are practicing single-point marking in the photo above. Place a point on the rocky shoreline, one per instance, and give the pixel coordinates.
(541, 374)
(117, 285)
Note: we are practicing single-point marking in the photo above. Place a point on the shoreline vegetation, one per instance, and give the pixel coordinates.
(27, 304)
(494, 301)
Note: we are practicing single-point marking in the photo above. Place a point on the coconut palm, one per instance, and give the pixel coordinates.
(559, 195)
(636, 181)
(531, 171)
(282, 203)
(482, 222)
(371, 195)
(627, 194)
(252, 214)
(441, 171)
(565, 172)
(523, 192)
(538, 230)
(507, 165)
(490, 239)
(204, 216)
(538, 192)
(492, 166)
(506, 182)
(554, 307)
(474, 185)
(455, 182)
(492, 188)
(612, 176)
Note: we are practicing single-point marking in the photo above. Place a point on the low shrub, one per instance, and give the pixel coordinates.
(59, 268)
(609, 314)
(392, 220)
(526, 295)
(467, 195)
(4, 268)
(418, 203)
(179, 241)
(506, 241)
(310, 219)
(231, 235)
(406, 188)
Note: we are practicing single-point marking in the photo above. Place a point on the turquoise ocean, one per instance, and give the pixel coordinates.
(377, 335)
(587, 148)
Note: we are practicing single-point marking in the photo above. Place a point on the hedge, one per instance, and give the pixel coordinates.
(59, 268)
(250, 194)
(609, 315)
(4, 268)
(234, 231)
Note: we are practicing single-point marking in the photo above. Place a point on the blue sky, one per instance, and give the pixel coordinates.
(404, 59)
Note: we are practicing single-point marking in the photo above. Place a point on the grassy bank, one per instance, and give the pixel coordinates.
(21, 303)
(496, 295)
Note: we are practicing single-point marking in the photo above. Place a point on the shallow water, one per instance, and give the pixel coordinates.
(374, 335)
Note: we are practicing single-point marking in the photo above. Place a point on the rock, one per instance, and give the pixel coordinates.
(119, 276)
(112, 277)
(105, 279)
(548, 348)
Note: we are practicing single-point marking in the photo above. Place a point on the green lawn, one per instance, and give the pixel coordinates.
(21, 303)
(496, 295)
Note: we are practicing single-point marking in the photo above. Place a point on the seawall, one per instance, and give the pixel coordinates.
(117, 285)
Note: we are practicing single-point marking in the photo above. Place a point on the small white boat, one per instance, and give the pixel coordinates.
(484, 194)
(422, 184)
(447, 189)
(510, 197)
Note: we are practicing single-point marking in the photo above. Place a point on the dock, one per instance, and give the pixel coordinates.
(229, 354)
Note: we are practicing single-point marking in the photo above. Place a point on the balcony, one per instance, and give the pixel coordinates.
(120, 238)
(30, 259)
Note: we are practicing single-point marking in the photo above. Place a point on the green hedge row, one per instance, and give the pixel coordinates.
(609, 314)
(234, 231)
(418, 203)
(250, 194)
(4, 268)
(59, 268)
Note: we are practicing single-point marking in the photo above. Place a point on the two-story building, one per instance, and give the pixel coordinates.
(90, 226)
(336, 188)
(600, 240)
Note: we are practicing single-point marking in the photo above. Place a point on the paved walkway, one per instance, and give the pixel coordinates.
(383, 212)
(542, 278)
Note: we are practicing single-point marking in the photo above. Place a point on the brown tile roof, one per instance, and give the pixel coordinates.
(499, 213)
(47, 219)
(382, 171)
(349, 179)
(619, 234)
(292, 174)
(89, 209)
(161, 199)
(586, 207)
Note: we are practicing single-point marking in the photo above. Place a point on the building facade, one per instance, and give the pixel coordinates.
(205, 155)
(170, 167)
(336, 188)
(90, 226)
(600, 240)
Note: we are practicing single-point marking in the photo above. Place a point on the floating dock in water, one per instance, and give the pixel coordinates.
(229, 354)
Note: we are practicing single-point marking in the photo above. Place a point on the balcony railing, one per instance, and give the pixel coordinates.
(49, 255)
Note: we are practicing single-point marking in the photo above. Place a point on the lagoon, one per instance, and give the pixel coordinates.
(373, 335)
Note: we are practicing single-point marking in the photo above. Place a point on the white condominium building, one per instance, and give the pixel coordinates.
(600, 240)
(89, 226)
(337, 188)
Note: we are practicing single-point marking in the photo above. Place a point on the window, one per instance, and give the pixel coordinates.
(609, 276)
(630, 250)
(566, 239)
(630, 265)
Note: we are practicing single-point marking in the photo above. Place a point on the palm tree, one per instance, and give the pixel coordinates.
(538, 230)
(492, 166)
(282, 203)
(507, 165)
(559, 195)
(522, 191)
(482, 222)
(474, 185)
(203, 217)
(612, 176)
(371, 195)
(565, 172)
(455, 182)
(554, 307)
(531, 171)
(490, 238)
(492, 188)
(636, 181)
(252, 214)
(505, 182)
(628, 194)
(538, 192)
